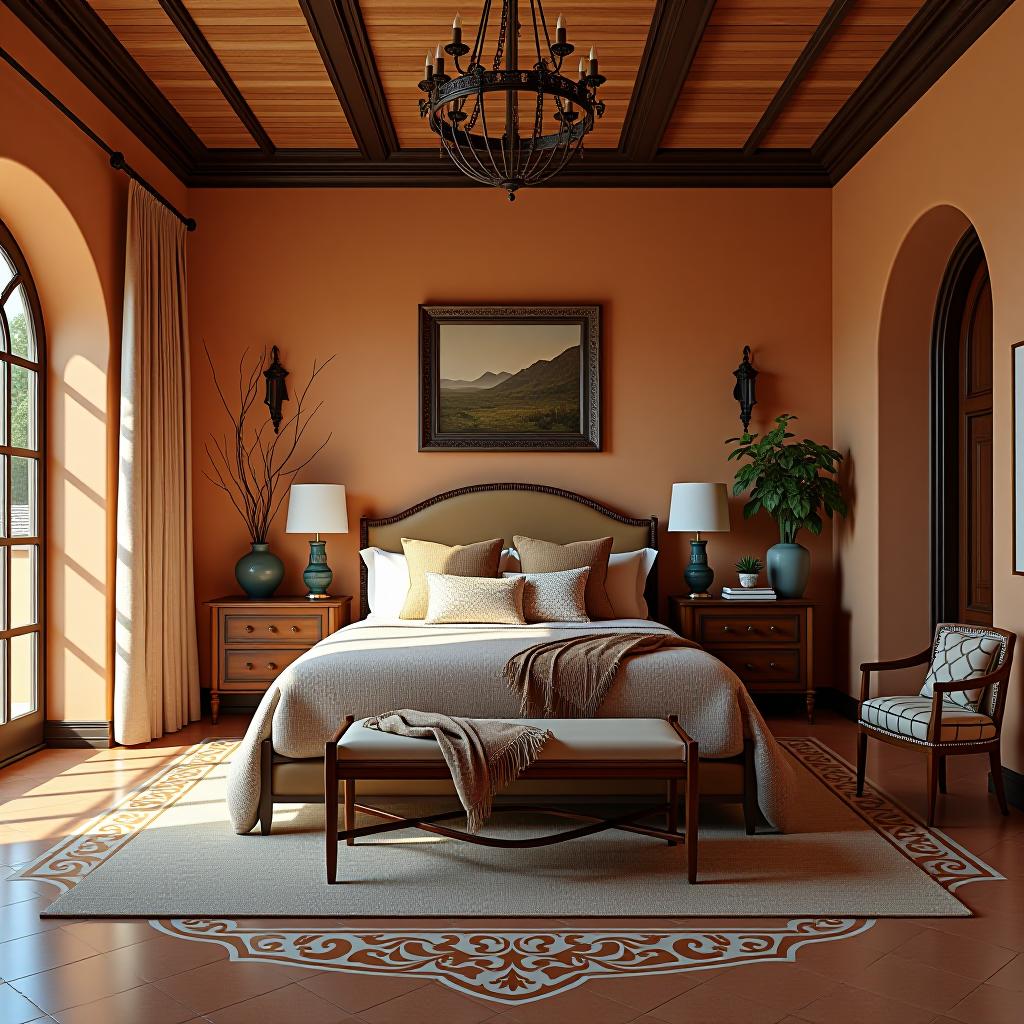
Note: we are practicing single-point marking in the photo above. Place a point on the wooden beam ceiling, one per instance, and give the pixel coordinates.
(322, 92)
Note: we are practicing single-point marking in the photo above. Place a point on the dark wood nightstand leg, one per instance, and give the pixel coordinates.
(214, 706)
(749, 788)
(266, 810)
(810, 706)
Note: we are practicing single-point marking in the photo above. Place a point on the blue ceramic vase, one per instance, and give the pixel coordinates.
(259, 573)
(789, 566)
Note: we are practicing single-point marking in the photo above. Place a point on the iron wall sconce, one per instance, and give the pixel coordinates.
(277, 388)
(745, 391)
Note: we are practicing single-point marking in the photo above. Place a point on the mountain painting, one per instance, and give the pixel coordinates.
(522, 384)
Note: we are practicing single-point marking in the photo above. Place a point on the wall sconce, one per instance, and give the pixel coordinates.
(745, 391)
(277, 389)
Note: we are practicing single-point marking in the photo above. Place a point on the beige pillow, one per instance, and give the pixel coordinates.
(425, 556)
(627, 581)
(555, 596)
(474, 599)
(543, 556)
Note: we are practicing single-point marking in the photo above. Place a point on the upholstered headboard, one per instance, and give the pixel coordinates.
(482, 511)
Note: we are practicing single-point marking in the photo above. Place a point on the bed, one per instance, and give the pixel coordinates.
(378, 664)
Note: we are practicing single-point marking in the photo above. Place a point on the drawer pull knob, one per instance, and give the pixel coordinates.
(750, 665)
(771, 629)
(249, 665)
(248, 629)
(271, 629)
(726, 629)
(295, 629)
(750, 629)
(272, 665)
(771, 664)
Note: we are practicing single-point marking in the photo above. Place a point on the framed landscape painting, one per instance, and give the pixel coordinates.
(510, 378)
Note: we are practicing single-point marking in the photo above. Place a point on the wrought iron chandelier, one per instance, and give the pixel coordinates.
(504, 125)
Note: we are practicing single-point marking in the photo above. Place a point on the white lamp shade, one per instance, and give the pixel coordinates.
(317, 508)
(699, 508)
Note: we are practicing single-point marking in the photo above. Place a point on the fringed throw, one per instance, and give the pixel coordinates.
(483, 754)
(570, 677)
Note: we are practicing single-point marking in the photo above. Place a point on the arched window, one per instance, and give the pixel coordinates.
(22, 513)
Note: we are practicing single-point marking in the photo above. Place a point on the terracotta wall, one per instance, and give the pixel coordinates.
(949, 162)
(686, 278)
(66, 206)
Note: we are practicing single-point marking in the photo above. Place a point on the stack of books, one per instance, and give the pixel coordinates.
(748, 593)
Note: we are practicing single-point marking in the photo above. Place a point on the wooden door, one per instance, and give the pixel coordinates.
(975, 452)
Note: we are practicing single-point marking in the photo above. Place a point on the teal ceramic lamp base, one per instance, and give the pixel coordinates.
(317, 575)
(698, 574)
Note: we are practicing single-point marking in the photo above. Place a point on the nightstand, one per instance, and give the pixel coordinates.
(252, 640)
(768, 644)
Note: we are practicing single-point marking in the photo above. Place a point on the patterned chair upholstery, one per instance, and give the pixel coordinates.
(958, 711)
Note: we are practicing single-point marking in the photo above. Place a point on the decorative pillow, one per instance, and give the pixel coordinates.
(510, 561)
(387, 581)
(544, 556)
(555, 596)
(425, 556)
(474, 599)
(958, 657)
(627, 578)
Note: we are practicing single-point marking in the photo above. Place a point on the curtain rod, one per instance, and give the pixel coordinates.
(117, 160)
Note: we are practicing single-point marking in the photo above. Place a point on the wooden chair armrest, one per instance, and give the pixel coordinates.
(868, 667)
(886, 666)
(978, 683)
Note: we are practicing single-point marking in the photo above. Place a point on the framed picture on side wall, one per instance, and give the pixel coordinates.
(1017, 357)
(510, 378)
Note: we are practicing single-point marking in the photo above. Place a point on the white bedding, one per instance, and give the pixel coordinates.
(383, 664)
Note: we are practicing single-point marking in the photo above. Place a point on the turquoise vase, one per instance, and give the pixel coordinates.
(259, 573)
(317, 575)
(789, 566)
(698, 574)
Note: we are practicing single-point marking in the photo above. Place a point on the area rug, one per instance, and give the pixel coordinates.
(167, 851)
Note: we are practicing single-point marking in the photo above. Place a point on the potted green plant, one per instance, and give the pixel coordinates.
(794, 482)
(749, 568)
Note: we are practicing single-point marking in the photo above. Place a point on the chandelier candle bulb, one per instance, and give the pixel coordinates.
(457, 29)
(438, 61)
(428, 66)
(583, 68)
(593, 62)
(560, 30)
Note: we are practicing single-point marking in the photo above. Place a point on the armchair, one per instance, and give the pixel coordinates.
(959, 710)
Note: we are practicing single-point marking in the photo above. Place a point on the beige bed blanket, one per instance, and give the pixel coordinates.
(370, 667)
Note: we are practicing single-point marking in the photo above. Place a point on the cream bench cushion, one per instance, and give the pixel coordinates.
(572, 739)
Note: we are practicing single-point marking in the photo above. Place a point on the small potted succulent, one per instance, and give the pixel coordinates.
(749, 568)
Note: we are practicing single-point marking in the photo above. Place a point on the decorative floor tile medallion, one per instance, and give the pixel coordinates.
(514, 966)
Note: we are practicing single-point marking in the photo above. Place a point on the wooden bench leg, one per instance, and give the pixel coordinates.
(692, 810)
(350, 808)
(672, 817)
(331, 811)
(749, 788)
(266, 807)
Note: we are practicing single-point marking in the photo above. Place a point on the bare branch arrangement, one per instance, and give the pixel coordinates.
(251, 464)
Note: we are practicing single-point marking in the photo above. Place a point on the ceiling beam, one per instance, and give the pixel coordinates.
(200, 46)
(80, 39)
(602, 168)
(340, 35)
(819, 39)
(675, 33)
(936, 37)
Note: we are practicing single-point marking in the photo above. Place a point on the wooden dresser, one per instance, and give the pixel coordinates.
(254, 639)
(768, 644)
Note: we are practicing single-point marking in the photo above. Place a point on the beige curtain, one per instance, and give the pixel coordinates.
(156, 666)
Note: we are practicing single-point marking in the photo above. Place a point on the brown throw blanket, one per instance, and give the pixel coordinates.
(483, 754)
(571, 676)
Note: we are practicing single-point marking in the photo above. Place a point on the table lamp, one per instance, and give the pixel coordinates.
(317, 508)
(699, 508)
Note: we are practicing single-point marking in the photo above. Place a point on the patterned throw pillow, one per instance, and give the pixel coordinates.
(461, 560)
(544, 556)
(958, 657)
(474, 599)
(555, 596)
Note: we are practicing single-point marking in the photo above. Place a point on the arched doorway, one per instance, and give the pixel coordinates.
(961, 425)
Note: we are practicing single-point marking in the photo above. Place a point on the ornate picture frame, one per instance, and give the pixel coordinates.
(510, 378)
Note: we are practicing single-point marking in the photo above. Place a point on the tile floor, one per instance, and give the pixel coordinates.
(967, 970)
